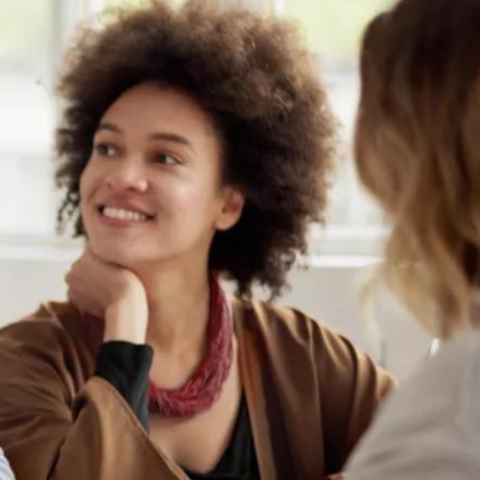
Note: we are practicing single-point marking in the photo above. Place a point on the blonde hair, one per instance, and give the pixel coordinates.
(417, 148)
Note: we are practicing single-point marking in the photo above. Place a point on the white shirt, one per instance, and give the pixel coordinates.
(430, 428)
(5, 471)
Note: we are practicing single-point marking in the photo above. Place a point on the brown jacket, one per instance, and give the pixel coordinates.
(310, 396)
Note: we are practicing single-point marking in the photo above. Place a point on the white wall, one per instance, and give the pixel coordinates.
(328, 292)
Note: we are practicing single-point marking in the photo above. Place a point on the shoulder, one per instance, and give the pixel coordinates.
(291, 331)
(447, 380)
(288, 324)
(431, 422)
(453, 378)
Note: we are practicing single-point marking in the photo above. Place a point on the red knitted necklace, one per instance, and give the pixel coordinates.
(203, 389)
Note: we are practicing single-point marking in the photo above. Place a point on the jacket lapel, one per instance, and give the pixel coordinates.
(250, 370)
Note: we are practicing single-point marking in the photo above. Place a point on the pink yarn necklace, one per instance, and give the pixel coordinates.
(203, 389)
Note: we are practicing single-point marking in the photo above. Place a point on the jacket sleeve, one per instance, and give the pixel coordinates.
(126, 366)
(55, 425)
(351, 386)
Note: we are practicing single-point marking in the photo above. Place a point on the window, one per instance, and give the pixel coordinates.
(112, 3)
(26, 116)
(334, 30)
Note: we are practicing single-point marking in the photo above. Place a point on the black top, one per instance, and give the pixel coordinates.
(239, 461)
(126, 366)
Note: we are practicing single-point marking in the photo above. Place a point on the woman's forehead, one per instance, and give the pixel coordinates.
(155, 109)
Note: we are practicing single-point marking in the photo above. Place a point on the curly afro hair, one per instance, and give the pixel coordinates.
(262, 89)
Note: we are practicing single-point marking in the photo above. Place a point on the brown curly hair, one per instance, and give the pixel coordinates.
(262, 89)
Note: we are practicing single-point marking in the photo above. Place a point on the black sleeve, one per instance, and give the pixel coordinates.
(126, 366)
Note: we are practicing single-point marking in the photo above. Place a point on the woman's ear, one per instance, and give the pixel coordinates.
(232, 207)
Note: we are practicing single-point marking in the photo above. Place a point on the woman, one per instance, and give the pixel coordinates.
(418, 153)
(196, 144)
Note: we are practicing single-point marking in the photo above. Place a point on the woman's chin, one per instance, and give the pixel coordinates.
(130, 258)
(119, 256)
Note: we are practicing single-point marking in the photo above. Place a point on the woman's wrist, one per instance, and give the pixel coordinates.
(127, 320)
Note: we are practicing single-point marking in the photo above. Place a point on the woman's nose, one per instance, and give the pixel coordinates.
(127, 174)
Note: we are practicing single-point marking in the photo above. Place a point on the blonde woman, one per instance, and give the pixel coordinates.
(418, 153)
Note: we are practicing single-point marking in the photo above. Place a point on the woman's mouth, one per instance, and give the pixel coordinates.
(123, 214)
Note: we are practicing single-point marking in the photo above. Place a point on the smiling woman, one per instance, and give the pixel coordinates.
(195, 146)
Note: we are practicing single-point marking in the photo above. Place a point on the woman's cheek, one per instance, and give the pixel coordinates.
(181, 199)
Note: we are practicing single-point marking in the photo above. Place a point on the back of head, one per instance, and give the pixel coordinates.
(418, 152)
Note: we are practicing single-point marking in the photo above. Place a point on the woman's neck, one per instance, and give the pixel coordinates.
(179, 308)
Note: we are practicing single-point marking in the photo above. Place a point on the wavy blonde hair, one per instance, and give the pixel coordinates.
(417, 151)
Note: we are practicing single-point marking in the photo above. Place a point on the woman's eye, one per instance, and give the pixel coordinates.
(166, 159)
(104, 150)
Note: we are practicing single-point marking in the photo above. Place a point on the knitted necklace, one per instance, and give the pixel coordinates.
(203, 389)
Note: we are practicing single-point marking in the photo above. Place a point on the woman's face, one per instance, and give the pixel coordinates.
(152, 189)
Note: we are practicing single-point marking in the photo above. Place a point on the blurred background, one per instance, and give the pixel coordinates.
(33, 259)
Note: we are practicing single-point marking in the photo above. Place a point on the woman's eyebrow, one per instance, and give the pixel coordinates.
(167, 136)
(172, 137)
(110, 127)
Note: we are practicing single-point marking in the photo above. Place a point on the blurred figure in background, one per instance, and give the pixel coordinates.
(418, 153)
(5, 470)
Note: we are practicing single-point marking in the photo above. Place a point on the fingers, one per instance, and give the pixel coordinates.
(84, 301)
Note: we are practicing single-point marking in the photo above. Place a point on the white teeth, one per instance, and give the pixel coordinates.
(122, 214)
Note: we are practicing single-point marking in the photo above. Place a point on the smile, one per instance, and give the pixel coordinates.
(124, 214)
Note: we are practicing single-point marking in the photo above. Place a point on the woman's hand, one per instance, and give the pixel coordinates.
(111, 292)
